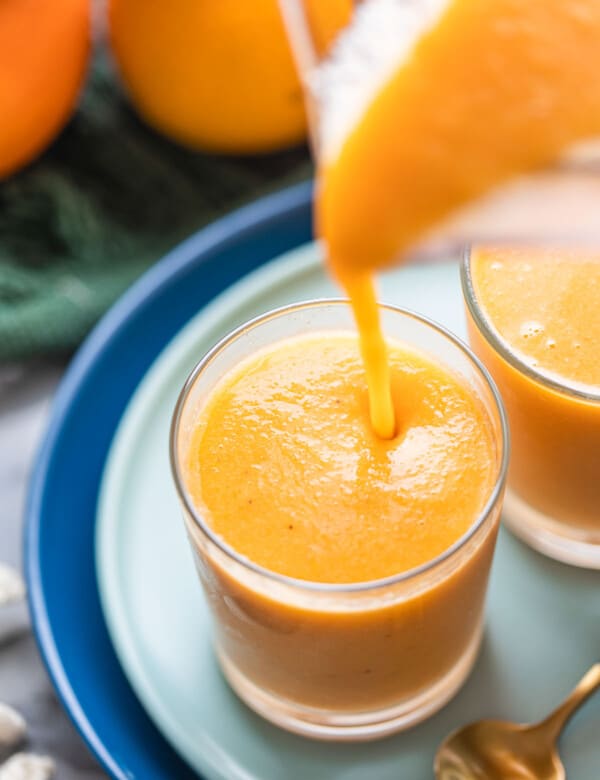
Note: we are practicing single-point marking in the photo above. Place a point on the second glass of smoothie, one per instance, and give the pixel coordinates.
(346, 575)
(534, 321)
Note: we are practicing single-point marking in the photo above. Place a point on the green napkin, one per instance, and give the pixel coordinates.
(105, 202)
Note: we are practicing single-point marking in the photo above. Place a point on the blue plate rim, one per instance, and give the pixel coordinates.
(233, 227)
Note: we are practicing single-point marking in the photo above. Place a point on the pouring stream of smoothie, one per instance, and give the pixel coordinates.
(361, 290)
(435, 133)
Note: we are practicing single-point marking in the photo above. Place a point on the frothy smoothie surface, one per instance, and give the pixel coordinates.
(285, 467)
(545, 306)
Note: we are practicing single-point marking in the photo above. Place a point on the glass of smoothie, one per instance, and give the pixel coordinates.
(534, 320)
(346, 574)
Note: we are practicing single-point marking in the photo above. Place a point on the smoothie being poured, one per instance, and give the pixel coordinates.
(428, 106)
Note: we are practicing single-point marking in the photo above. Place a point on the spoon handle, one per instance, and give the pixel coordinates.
(555, 722)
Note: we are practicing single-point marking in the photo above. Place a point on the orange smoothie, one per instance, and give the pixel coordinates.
(288, 472)
(323, 519)
(538, 331)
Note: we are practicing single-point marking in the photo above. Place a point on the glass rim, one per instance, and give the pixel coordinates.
(487, 330)
(328, 587)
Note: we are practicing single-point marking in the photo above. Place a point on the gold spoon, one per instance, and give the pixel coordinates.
(499, 750)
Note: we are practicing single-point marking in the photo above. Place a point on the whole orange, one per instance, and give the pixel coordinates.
(43, 56)
(216, 74)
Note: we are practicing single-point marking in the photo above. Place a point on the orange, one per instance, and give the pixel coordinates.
(43, 55)
(490, 90)
(216, 74)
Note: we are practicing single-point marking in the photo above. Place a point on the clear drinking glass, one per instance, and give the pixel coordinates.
(553, 500)
(344, 662)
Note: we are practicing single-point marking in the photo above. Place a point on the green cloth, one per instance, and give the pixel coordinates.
(105, 202)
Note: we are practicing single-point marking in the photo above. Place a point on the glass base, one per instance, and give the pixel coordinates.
(350, 727)
(556, 540)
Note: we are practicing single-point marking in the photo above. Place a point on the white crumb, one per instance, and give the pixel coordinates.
(27, 766)
(12, 727)
(12, 587)
(383, 33)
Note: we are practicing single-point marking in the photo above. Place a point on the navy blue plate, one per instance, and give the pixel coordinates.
(61, 508)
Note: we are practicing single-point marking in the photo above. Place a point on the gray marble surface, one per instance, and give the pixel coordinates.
(25, 396)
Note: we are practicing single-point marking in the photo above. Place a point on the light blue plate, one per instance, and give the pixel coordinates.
(543, 617)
